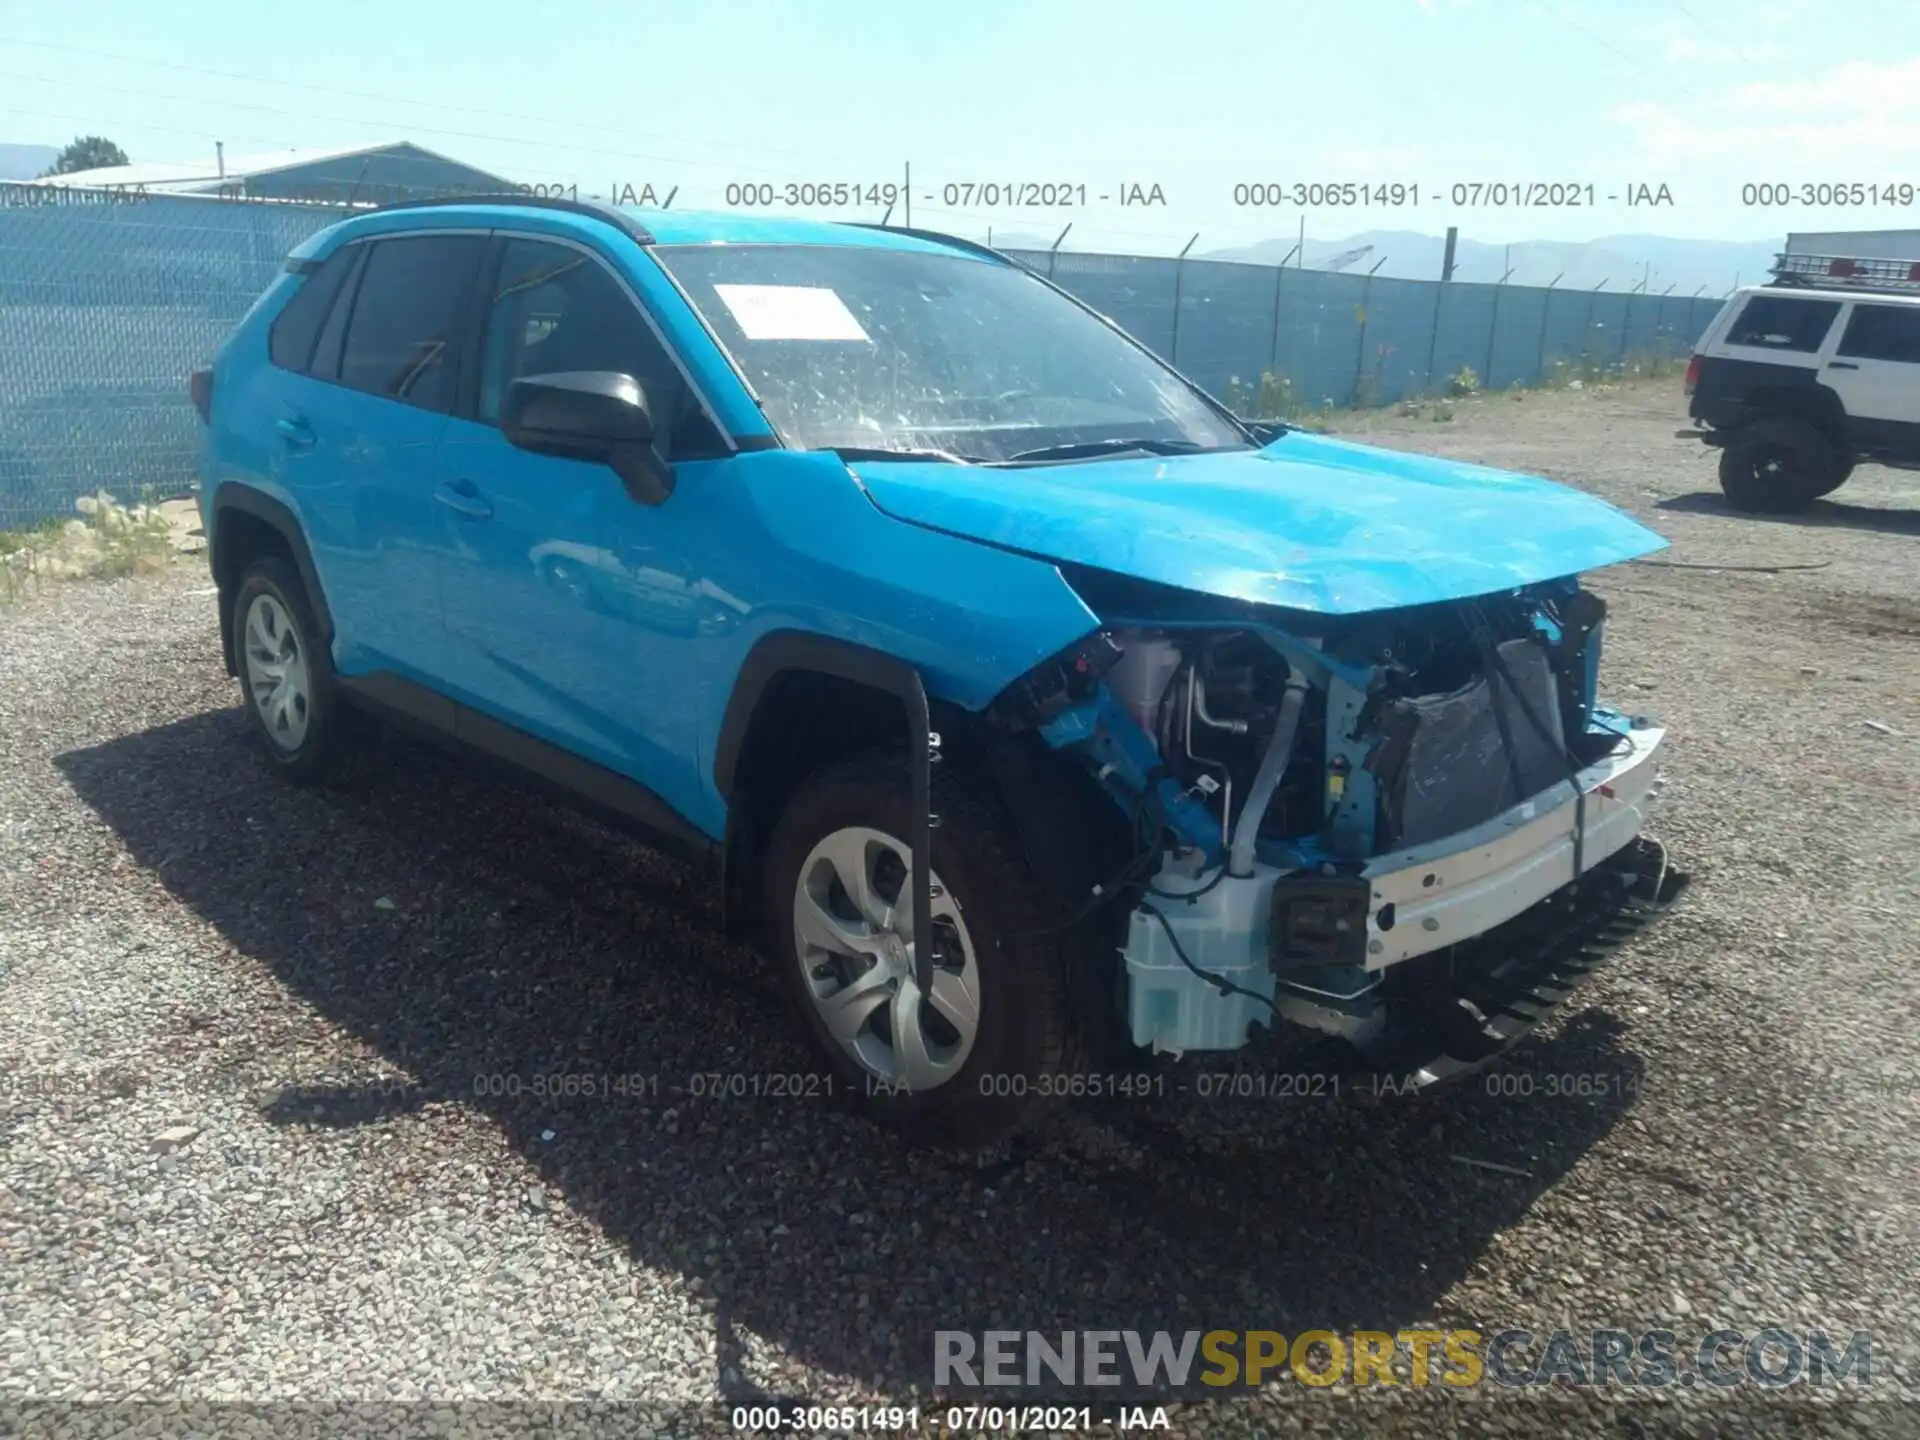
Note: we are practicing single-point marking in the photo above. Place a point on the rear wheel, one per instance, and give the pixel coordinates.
(973, 1057)
(1776, 467)
(286, 674)
(1837, 475)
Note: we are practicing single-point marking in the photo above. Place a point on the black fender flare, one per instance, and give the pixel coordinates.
(780, 652)
(263, 507)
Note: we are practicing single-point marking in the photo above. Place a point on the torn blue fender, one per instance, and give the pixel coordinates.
(1309, 523)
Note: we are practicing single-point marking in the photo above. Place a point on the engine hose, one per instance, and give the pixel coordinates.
(1267, 779)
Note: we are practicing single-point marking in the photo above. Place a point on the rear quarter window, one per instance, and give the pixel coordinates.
(1773, 322)
(290, 340)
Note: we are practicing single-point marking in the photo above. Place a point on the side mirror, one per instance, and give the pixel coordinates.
(590, 415)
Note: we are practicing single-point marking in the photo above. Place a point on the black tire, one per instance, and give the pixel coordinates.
(1837, 475)
(314, 752)
(1776, 467)
(1026, 1041)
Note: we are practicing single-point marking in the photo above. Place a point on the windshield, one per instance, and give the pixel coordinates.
(946, 356)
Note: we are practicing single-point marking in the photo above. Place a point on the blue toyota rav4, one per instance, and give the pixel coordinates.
(1031, 710)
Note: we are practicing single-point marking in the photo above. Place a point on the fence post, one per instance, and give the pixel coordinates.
(1546, 310)
(1433, 340)
(1660, 320)
(1586, 334)
(1360, 356)
(1279, 276)
(1179, 270)
(1493, 330)
(1051, 254)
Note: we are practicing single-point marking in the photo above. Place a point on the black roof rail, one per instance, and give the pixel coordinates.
(973, 247)
(596, 209)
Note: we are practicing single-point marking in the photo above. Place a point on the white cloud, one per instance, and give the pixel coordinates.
(1851, 120)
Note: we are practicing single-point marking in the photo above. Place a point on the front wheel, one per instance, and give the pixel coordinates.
(990, 1041)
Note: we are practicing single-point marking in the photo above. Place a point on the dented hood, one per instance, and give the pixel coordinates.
(1308, 522)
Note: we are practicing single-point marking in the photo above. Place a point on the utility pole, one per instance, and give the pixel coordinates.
(1446, 261)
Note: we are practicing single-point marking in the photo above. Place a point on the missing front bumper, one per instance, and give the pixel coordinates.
(1438, 900)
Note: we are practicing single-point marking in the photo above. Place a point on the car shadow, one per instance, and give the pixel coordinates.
(1827, 513)
(479, 939)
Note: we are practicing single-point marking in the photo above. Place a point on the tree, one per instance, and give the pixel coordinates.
(88, 152)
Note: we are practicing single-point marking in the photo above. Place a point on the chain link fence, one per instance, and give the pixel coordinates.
(108, 303)
(1323, 339)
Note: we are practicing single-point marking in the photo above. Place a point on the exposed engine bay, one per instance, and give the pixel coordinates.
(1320, 798)
(1469, 708)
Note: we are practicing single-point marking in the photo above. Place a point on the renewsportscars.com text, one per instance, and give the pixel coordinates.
(1771, 1356)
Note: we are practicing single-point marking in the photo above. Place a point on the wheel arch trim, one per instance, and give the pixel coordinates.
(247, 500)
(781, 652)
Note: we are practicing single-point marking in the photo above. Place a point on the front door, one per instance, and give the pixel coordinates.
(570, 604)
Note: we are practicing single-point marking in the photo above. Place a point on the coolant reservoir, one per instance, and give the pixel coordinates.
(1141, 676)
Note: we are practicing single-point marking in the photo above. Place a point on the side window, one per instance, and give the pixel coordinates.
(1883, 332)
(554, 309)
(1775, 323)
(403, 338)
(291, 338)
(325, 364)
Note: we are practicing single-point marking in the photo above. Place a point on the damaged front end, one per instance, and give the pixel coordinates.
(1408, 828)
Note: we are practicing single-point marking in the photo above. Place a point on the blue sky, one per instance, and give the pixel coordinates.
(1703, 96)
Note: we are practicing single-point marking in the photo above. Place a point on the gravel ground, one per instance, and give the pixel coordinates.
(267, 1129)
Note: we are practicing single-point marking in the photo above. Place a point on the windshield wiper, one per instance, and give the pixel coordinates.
(880, 452)
(1085, 449)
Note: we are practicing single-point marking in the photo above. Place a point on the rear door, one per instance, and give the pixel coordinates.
(358, 437)
(1876, 371)
(1767, 341)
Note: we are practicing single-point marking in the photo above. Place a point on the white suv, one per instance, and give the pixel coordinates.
(1798, 383)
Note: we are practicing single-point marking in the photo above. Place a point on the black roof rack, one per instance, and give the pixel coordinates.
(597, 209)
(1847, 272)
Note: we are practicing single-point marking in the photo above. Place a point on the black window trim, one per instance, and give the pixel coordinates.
(467, 395)
(1854, 307)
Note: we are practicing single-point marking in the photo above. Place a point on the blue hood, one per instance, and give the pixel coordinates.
(1308, 523)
